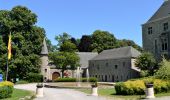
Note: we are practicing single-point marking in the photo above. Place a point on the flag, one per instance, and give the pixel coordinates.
(9, 47)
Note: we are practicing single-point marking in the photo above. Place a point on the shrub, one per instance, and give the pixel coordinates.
(34, 77)
(22, 82)
(164, 70)
(130, 88)
(6, 89)
(65, 80)
(137, 87)
(93, 79)
(74, 80)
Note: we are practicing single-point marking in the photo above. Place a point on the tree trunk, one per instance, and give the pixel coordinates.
(62, 73)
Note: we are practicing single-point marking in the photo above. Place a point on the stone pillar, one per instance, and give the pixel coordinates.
(94, 89)
(149, 91)
(39, 90)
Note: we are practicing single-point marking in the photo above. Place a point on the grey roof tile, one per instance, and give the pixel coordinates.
(118, 53)
(163, 11)
(85, 57)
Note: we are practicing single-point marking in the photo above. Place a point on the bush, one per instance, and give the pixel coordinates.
(130, 88)
(34, 77)
(22, 82)
(6, 89)
(65, 80)
(74, 80)
(137, 87)
(164, 70)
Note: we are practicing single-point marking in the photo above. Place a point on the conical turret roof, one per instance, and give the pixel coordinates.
(44, 50)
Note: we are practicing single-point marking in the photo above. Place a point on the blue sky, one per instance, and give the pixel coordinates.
(123, 18)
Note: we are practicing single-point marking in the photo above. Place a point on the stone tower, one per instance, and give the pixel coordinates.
(45, 69)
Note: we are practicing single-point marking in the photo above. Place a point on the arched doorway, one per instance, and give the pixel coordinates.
(55, 75)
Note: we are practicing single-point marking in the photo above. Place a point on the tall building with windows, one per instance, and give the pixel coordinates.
(156, 32)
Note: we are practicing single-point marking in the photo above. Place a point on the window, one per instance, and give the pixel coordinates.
(107, 64)
(45, 70)
(124, 64)
(164, 45)
(150, 30)
(98, 68)
(156, 48)
(115, 66)
(165, 26)
(127, 77)
(93, 65)
(113, 78)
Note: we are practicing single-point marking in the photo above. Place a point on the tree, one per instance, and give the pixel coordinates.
(85, 44)
(64, 60)
(147, 63)
(67, 46)
(62, 38)
(74, 41)
(164, 70)
(27, 41)
(102, 40)
(125, 42)
(50, 46)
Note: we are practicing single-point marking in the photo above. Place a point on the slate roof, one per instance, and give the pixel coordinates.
(118, 53)
(44, 50)
(85, 57)
(163, 11)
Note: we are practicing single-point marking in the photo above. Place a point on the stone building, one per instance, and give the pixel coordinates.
(115, 65)
(156, 32)
(50, 72)
(84, 60)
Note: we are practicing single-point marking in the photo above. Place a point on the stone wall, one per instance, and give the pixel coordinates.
(112, 70)
(153, 42)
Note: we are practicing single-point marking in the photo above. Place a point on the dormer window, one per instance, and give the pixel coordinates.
(165, 26)
(150, 30)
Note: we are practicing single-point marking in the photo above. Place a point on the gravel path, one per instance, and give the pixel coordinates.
(68, 94)
(59, 94)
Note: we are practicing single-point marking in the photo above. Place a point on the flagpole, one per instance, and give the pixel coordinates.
(8, 56)
(7, 71)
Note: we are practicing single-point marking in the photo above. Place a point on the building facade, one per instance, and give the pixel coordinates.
(50, 72)
(115, 65)
(156, 32)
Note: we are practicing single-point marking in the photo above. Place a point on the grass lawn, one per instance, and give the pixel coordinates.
(17, 93)
(111, 93)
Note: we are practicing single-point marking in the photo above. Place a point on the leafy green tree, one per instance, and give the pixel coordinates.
(147, 63)
(102, 40)
(85, 44)
(62, 38)
(74, 41)
(50, 46)
(125, 42)
(67, 46)
(164, 70)
(64, 60)
(27, 41)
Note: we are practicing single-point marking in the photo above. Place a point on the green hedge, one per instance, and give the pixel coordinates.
(34, 77)
(6, 89)
(74, 80)
(137, 87)
(22, 82)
